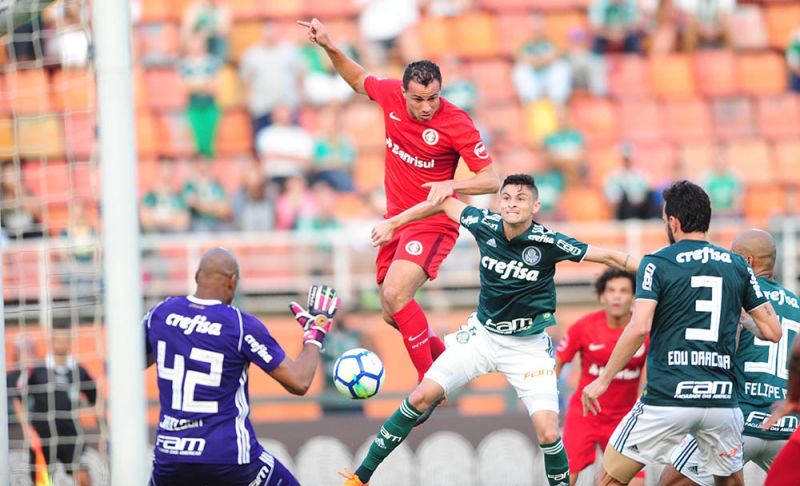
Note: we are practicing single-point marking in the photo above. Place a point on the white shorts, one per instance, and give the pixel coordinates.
(527, 363)
(648, 434)
(686, 459)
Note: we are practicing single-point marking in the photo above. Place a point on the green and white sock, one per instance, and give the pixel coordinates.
(556, 464)
(392, 433)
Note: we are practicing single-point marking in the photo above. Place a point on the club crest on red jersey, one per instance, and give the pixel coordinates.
(430, 136)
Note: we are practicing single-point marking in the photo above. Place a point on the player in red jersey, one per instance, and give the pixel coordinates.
(784, 471)
(425, 137)
(594, 337)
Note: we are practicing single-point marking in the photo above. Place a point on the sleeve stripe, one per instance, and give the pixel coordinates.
(241, 328)
(756, 307)
(646, 298)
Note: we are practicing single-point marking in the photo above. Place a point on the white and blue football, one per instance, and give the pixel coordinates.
(358, 373)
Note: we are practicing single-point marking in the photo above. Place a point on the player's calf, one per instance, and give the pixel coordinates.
(618, 469)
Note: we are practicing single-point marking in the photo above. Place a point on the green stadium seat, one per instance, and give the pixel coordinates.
(778, 116)
(762, 73)
(733, 117)
(687, 120)
(781, 20)
(628, 76)
(715, 72)
(671, 76)
(641, 119)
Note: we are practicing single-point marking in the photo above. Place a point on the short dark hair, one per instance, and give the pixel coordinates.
(690, 204)
(521, 180)
(423, 72)
(611, 274)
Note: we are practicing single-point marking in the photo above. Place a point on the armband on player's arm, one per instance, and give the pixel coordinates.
(318, 319)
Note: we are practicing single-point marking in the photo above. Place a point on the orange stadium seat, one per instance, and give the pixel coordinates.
(49, 180)
(657, 161)
(687, 120)
(285, 9)
(782, 20)
(244, 9)
(696, 158)
(234, 133)
(80, 139)
(331, 9)
(146, 134)
(165, 90)
(628, 76)
(229, 90)
(28, 91)
(763, 202)
(778, 116)
(641, 120)
(503, 120)
(8, 145)
(786, 154)
(584, 204)
(364, 123)
(671, 76)
(520, 159)
(751, 160)
(715, 72)
(368, 171)
(174, 136)
(73, 90)
(761, 73)
(85, 180)
(139, 88)
(516, 6)
(229, 173)
(435, 36)
(40, 136)
(558, 25)
(474, 36)
(148, 173)
(244, 35)
(493, 79)
(512, 31)
(156, 10)
(595, 118)
(733, 118)
(55, 217)
(540, 119)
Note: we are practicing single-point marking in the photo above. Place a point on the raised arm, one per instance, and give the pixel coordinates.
(383, 231)
(352, 72)
(612, 258)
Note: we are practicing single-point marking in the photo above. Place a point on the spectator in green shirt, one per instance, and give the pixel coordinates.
(566, 149)
(539, 71)
(163, 209)
(616, 24)
(334, 151)
(793, 60)
(206, 198)
(724, 188)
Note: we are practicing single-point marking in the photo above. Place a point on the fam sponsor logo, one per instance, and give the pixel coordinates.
(703, 255)
(430, 136)
(180, 446)
(647, 277)
(173, 424)
(510, 269)
(780, 297)
(414, 247)
(531, 255)
(704, 390)
(568, 248)
(509, 327)
(258, 348)
(786, 424)
(408, 158)
(198, 323)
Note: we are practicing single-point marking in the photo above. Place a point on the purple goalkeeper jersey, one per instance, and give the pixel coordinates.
(203, 349)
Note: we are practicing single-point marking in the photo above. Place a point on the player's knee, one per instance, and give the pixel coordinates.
(423, 397)
(394, 298)
(547, 436)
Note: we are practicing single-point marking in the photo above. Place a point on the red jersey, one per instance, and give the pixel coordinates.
(419, 152)
(592, 337)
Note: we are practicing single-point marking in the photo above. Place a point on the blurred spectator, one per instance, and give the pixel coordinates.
(446, 8)
(793, 60)
(199, 72)
(550, 182)
(206, 199)
(23, 355)
(82, 274)
(271, 74)
(616, 26)
(19, 212)
(284, 148)
(322, 84)
(566, 149)
(539, 71)
(27, 41)
(667, 28)
(211, 20)
(334, 151)
(460, 89)
(293, 200)
(322, 220)
(724, 187)
(163, 209)
(708, 23)
(588, 70)
(383, 24)
(628, 190)
(72, 39)
(253, 209)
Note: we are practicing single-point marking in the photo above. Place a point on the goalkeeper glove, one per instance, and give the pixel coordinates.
(317, 320)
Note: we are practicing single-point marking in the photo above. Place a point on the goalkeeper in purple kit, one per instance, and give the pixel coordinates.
(203, 347)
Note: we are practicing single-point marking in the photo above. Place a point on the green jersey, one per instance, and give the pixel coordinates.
(761, 367)
(699, 289)
(518, 294)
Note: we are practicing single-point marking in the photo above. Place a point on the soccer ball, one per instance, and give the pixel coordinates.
(358, 373)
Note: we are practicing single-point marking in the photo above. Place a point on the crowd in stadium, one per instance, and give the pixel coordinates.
(244, 125)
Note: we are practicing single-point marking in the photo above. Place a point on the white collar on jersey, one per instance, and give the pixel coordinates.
(194, 299)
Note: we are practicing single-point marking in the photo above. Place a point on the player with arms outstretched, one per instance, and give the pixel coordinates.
(203, 347)
(689, 297)
(594, 337)
(761, 373)
(425, 136)
(507, 332)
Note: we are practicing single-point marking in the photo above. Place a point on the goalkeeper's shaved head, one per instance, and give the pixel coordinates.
(217, 275)
(758, 248)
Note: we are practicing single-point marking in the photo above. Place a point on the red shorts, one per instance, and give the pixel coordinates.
(582, 436)
(425, 246)
(783, 471)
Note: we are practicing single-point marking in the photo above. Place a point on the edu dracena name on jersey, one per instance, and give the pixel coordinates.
(703, 255)
(510, 269)
(407, 157)
(173, 424)
(258, 348)
(198, 323)
(699, 358)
